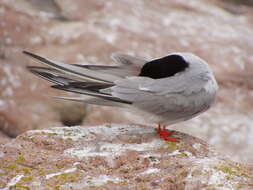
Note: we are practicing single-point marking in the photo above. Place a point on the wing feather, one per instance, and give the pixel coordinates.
(75, 70)
(52, 75)
(92, 100)
(125, 59)
(70, 88)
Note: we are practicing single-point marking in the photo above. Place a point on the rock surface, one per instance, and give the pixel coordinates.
(219, 31)
(116, 157)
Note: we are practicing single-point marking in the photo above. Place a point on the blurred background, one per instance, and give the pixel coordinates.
(88, 31)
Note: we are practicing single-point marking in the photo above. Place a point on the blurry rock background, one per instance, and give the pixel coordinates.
(219, 31)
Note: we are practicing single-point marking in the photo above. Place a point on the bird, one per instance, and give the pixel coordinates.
(167, 90)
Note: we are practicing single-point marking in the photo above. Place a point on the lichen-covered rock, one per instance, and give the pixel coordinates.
(4, 138)
(115, 157)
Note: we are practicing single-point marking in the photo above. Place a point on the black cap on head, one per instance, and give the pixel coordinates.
(164, 67)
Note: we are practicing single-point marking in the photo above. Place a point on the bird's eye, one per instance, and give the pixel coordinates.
(164, 67)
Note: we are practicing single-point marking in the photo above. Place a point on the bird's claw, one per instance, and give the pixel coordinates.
(165, 134)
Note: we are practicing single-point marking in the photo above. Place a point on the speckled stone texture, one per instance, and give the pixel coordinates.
(81, 32)
(118, 157)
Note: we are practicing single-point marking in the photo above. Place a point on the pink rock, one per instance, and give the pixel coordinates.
(115, 157)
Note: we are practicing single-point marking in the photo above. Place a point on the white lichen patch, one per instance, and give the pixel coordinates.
(150, 171)
(107, 132)
(197, 146)
(175, 152)
(189, 154)
(103, 179)
(119, 148)
(111, 149)
(205, 171)
(73, 133)
(115, 130)
(82, 152)
(217, 177)
(94, 181)
(70, 170)
(76, 163)
(179, 152)
(13, 182)
(221, 180)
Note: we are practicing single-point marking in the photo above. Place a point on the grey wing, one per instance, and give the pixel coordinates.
(156, 87)
(73, 70)
(88, 80)
(172, 97)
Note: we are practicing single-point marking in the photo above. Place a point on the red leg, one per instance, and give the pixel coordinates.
(165, 134)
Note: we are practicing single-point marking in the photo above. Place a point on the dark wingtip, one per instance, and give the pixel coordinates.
(59, 87)
(32, 69)
(29, 68)
(37, 57)
(31, 54)
(27, 53)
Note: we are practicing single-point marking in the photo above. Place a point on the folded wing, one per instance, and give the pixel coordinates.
(89, 80)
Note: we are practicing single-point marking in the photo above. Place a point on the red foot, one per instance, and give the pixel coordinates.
(165, 134)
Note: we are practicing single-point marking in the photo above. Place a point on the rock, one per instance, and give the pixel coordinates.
(71, 10)
(116, 157)
(3, 138)
(219, 31)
